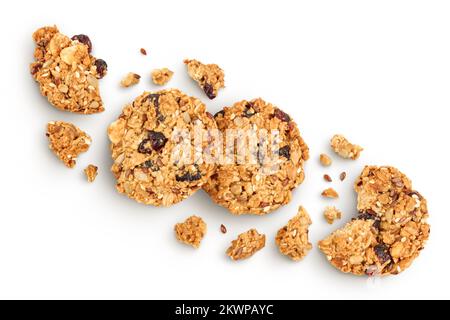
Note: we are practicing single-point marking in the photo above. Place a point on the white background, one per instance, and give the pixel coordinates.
(376, 71)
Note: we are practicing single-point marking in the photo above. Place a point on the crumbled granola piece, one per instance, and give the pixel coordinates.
(331, 214)
(67, 141)
(292, 239)
(161, 76)
(191, 231)
(246, 245)
(343, 175)
(344, 148)
(390, 230)
(327, 178)
(210, 77)
(325, 160)
(66, 72)
(145, 142)
(130, 80)
(91, 172)
(330, 193)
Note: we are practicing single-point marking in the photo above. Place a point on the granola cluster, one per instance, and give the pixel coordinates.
(144, 142)
(210, 77)
(191, 231)
(331, 214)
(67, 141)
(246, 245)
(66, 71)
(254, 187)
(344, 148)
(161, 76)
(390, 230)
(130, 80)
(292, 239)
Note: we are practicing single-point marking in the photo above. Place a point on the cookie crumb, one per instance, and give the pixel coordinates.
(292, 239)
(327, 178)
(161, 76)
(210, 77)
(91, 172)
(191, 231)
(223, 229)
(246, 245)
(130, 80)
(325, 160)
(343, 175)
(344, 148)
(330, 193)
(67, 141)
(331, 214)
(143, 51)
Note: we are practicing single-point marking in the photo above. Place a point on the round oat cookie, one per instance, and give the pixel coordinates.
(144, 144)
(260, 186)
(390, 230)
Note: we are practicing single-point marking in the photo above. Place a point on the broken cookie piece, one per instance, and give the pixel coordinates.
(191, 231)
(246, 245)
(67, 141)
(390, 230)
(91, 172)
(292, 239)
(331, 214)
(344, 148)
(210, 77)
(161, 76)
(66, 72)
(130, 80)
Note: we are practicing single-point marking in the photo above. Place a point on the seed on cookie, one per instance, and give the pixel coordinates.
(146, 147)
(246, 245)
(331, 214)
(91, 172)
(330, 193)
(325, 160)
(161, 76)
(344, 148)
(210, 77)
(258, 178)
(67, 141)
(191, 231)
(66, 72)
(390, 230)
(292, 240)
(130, 80)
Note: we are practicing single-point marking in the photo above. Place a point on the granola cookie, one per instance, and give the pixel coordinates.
(210, 77)
(390, 230)
(262, 184)
(292, 240)
(66, 71)
(67, 141)
(246, 245)
(145, 147)
(191, 231)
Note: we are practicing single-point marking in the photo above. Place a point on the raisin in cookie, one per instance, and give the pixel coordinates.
(66, 71)
(146, 147)
(264, 184)
(210, 77)
(390, 230)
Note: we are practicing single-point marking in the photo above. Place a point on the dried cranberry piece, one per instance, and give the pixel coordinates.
(249, 110)
(149, 164)
(285, 152)
(157, 140)
(35, 68)
(370, 215)
(382, 252)
(84, 39)
(143, 148)
(209, 90)
(281, 115)
(189, 177)
(102, 68)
